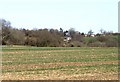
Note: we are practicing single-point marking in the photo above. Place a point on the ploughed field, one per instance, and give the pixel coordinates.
(59, 63)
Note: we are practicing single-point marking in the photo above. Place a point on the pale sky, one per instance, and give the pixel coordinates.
(82, 15)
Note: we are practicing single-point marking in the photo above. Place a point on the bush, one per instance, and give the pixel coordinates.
(90, 41)
(111, 43)
(87, 40)
(102, 38)
(97, 44)
(76, 44)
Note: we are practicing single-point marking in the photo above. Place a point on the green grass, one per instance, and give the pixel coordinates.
(31, 55)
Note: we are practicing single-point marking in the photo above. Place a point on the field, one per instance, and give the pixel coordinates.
(59, 63)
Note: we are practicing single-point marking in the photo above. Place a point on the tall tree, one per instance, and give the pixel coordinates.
(72, 32)
(90, 32)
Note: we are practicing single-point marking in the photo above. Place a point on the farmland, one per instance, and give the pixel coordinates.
(59, 63)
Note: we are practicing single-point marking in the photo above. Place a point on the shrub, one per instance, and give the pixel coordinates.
(111, 43)
(102, 38)
(76, 44)
(97, 44)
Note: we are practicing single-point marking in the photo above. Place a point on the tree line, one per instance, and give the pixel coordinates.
(56, 38)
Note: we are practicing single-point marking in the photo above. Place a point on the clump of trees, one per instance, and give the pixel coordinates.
(56, 38)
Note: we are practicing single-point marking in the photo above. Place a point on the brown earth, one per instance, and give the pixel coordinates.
(58, 74)
(51, 65)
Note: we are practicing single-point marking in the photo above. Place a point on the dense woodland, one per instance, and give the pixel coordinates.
(56, 37)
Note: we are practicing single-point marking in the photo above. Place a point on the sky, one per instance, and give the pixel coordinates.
(82, 15)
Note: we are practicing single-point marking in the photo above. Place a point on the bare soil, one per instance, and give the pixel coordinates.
(58, 74)
(51, 65)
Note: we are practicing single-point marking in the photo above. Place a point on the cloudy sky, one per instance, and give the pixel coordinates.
(82, 15)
